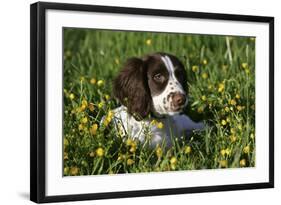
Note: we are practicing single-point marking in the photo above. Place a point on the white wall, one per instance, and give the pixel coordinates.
(14, 100)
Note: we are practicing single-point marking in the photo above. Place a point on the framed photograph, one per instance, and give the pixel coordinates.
(129, 102)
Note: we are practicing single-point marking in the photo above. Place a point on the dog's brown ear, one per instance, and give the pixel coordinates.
(131, 88)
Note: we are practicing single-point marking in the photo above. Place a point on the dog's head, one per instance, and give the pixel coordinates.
(155, 83)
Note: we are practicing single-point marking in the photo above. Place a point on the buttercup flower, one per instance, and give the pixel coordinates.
(99, 152)
(93, 81)
(204, 98)
(244, 65)
(94, 129)
(226, 109)
(221, 87)
(159, 152)
(223, 163)
(204, 75)
(242, 163)
(71, 96)
(232, 102)
(205, 62)
(173, 160)
(195, 68)
(223, 122)
(187, 149)
(246, 149)
(74, 171)
(237, 96)
(100, 83)
(84, 120)
(130, 162)
(91, 107)
(160, 125)
(233, 138)
(239, 107)
(148, 42)
(101, 104)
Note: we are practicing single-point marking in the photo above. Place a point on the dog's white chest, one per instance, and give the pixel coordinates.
(156, 131)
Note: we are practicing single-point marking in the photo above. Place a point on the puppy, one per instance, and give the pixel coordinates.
(152, 91)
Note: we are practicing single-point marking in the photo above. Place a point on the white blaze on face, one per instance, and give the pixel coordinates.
(162, 104)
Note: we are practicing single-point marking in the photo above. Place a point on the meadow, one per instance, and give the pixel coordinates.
(221, 84)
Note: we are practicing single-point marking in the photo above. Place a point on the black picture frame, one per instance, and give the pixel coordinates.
(38, 100)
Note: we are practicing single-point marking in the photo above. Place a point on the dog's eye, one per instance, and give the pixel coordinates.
(159, 77)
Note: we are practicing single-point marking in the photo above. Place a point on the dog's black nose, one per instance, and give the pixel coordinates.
(178, 99)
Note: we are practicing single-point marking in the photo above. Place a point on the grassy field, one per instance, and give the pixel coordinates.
(221, 76)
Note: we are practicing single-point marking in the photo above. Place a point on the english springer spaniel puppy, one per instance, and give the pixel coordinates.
(152, 93)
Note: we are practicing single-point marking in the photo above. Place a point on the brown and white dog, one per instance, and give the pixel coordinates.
(153, 89)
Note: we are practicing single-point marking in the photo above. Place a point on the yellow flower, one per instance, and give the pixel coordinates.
(242, 163)
(74, 171)
(228, 119)
(121, 157)
(195, 68)
(252, 136)
(65, 170)
(204, 98)
(80, 127)
(65, 156)
(222, 152)
(246, 149)
(247, 71)
(129, 142)
(92, 154)
(223, 122)
(200, 109)
(100, 83)
(204, 75)
(117, 61)
(107, 97)
(240, 127)
(130, 162)
(82, 79)
(159, 152)
(153, 122)
(148, 42)
(232, 102)
(226, 109)
(227, 151)
(133, 149)
(239, 107)
(91, 107)
(187, 149)
(233, 138)
(101, 104)
(65, 142)
(93, 81)
(223, 163)
(232, 130)
(221, 87)
(94, 129)
(160, 125)
(71, 96)
(84, 120)
(244, 65)
(237, 96)
(100, 152)
(173, 160)
(108, 118)
(205, 62)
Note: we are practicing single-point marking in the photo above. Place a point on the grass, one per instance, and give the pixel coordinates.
(221, 76)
